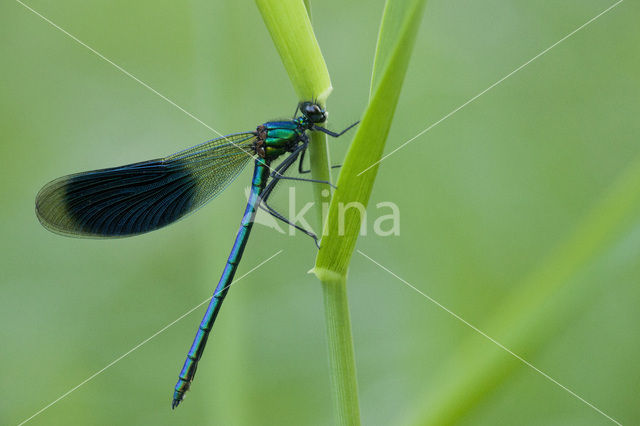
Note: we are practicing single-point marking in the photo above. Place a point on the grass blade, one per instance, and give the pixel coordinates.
(526, 321)
(398, 31)
(290, 27)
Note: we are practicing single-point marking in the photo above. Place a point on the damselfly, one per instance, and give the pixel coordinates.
(142, 197)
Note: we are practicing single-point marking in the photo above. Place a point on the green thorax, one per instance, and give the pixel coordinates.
(279, 137)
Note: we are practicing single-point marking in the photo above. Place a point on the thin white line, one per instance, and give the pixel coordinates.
(145, 340)
(493, 85)
(500, 345)
(128, 74)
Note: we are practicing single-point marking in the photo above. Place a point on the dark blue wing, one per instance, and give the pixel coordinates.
(142, 197)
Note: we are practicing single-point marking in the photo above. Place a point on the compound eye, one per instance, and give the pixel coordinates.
(313, 112)
(308, 108)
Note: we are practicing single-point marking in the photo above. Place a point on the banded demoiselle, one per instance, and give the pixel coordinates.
(142, 197)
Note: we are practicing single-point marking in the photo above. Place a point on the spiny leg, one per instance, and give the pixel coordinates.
(264, 206)
(286, 163)
(330, 133)
(277, 175)
(301, 167)
(334, 134)
(304, 180)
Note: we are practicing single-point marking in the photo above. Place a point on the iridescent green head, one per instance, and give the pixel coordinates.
(313, 112)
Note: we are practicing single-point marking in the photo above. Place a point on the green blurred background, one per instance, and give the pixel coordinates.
(485, 198)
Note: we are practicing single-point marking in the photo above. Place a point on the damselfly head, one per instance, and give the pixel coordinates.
(313, 112)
